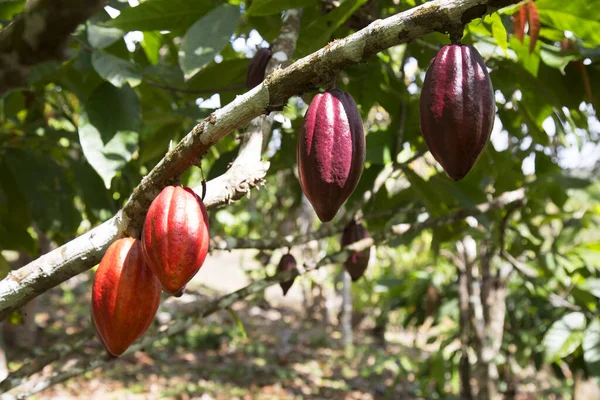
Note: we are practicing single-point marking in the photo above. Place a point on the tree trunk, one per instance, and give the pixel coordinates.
(347, 310)
(464, 368)
(491, 300)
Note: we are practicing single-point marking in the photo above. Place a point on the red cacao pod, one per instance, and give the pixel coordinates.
(175, 237)
(330, 152)
(257, 67)
(357, 262)
(457, 108)
(287, 262)
(125, 295)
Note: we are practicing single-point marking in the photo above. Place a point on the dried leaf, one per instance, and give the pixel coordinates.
(534, 25)
(519, 19)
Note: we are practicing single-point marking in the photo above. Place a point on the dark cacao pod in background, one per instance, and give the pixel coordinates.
(457, 108)
(330, 152)
(357, 262)
(125, 295)
(175, 237)
(257, 67)
(287, 262)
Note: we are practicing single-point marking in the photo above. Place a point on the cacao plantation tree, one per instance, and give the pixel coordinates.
(488, 248)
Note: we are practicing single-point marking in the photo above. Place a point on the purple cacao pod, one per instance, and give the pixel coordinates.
(287, 262)
(357, 262)
(457, 108)
(330, 152)
(257, 67)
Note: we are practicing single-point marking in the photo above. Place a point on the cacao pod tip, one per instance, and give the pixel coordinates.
(285, 286)
(110, 355)
(179, 293)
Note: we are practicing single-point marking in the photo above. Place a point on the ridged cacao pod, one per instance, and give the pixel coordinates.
(357, 262)
(257, 67)
(287, 262)
(330, 152)
(457, 108)
(175, 237)
(125, 295)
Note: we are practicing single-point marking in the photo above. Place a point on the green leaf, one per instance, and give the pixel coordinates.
(429, 195)
(100, 37)
(10, 8)
(564, 336)
(116, 70)
(555, 58)
(498, 31)
(151, 45)
(157, 15)
(592, 285)
(317, 32)
(16, 237)
(224, 75)
(155, 146)
(98, 201)
(15, 215)
(268, 7)
(108, 129)
(380, 147)
(591, 348)
(530, 61)
(4, 267)
(580, 17)
(207, 37)
(47, 190)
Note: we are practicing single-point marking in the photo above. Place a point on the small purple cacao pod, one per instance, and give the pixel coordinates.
(287, 262)
(357, 262)
(257, 67)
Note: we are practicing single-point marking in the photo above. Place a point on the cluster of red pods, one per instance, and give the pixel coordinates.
(133, 272)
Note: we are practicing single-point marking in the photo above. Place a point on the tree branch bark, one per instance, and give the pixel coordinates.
(304, 75)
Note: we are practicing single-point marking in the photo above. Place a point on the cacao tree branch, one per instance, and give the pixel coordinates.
(303, 75)
(40, 33)
(17, 385)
